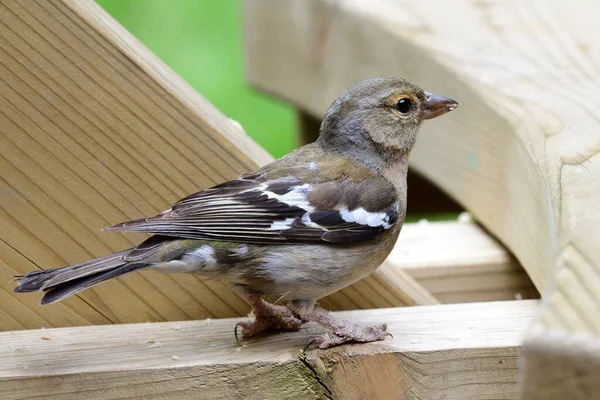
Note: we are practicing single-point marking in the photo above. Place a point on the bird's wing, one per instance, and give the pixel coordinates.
(283, 209)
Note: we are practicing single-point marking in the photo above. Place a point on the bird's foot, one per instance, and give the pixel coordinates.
(348, 332)
(268, 316)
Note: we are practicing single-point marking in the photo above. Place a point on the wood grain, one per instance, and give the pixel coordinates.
(94, 129)
(521, 153)
(454, 351)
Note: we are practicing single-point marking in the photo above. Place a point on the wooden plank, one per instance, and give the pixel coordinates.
(399, 281)
(579, 358)
(444, 262)
(94, 130)
(459, 262)
(455, 351)
(522, 154)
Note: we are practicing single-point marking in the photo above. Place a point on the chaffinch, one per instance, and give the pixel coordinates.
(302, 227)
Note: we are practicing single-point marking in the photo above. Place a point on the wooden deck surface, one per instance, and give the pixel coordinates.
(454, 351)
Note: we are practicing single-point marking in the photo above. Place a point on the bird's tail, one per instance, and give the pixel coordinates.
(59, 283)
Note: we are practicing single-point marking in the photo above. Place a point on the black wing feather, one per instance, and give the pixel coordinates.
(249, 210)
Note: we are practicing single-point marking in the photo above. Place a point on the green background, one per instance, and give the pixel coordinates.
(201, 40)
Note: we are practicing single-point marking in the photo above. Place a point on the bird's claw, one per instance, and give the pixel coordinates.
(274, 322)
(309, 344)
(235, 331)
(249, 328)
(348, 335)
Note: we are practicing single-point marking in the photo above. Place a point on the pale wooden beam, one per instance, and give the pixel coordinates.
(579, 360)
(460, 262)
(455, 351)
(397, 280)
(95, 129)
(522, 151)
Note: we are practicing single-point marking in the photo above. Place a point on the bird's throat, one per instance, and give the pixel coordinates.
(395, 170)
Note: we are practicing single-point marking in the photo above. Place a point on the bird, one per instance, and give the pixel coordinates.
(300, 228)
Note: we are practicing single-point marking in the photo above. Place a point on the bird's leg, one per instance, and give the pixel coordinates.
(267, 316)
(342, 331)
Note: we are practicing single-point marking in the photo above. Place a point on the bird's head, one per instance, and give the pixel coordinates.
(380, 114)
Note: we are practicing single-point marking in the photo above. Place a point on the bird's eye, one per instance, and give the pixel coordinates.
(404, 105)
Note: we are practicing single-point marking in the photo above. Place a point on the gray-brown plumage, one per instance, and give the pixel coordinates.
(302, 227)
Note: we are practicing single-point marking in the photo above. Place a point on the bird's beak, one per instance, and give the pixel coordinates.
(436, 105)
